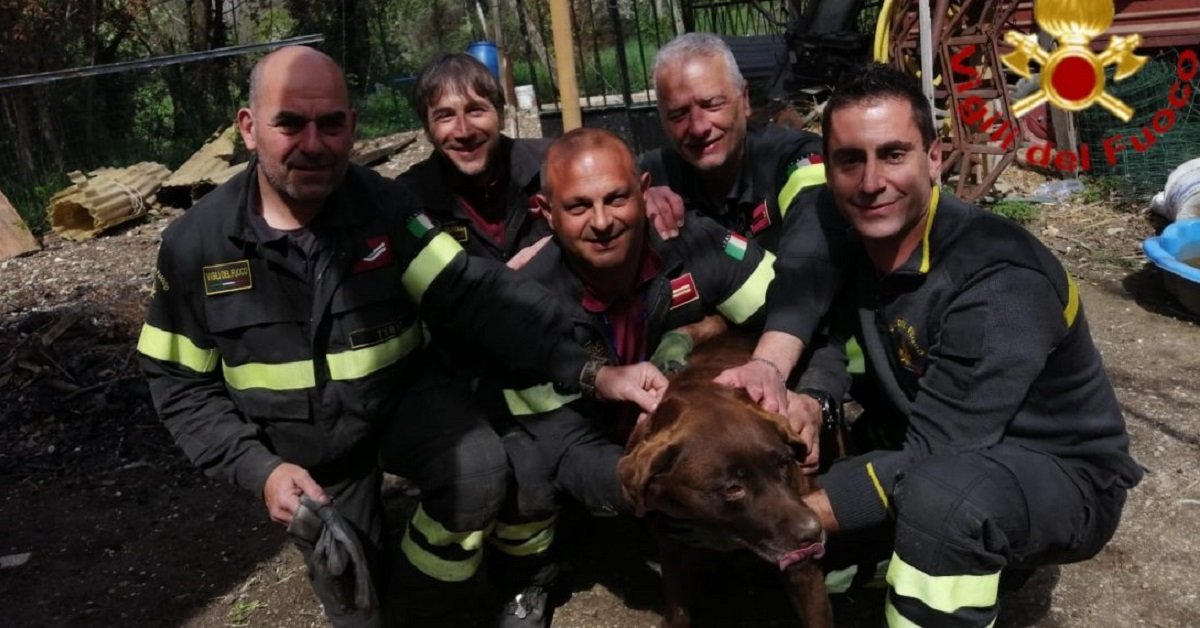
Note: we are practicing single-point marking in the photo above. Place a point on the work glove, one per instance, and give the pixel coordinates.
(337, 558)
(672, 353)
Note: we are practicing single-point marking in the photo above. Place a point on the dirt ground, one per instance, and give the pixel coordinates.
(121, 530)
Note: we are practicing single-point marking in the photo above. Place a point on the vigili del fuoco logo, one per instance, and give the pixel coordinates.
(1072, 78)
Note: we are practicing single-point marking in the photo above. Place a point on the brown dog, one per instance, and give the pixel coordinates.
(712, 458)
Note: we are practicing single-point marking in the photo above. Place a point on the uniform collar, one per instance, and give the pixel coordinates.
(649, 267)
(743, 191)
(921, 259)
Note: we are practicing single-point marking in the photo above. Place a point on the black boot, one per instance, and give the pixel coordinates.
(419, 601)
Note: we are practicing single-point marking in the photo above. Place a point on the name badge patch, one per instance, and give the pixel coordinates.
(683, 291)
(374, 335)
(457, 231)
(228, 277)
(379, 254)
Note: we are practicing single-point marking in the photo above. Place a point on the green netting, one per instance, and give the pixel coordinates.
(1147, 92)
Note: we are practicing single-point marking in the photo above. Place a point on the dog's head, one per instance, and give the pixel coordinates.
(710, 456)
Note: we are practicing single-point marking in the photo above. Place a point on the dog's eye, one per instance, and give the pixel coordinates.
(734, 492)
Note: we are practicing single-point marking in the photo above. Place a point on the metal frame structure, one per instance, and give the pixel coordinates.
(974, 156)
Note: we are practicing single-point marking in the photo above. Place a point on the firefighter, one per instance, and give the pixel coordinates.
(1012, 450)
(479, 183)
(743, 175)
(746, 176)
(633, 297)
(284, 326)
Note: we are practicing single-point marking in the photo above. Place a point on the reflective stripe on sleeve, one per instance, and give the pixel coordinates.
(752, 294)
(429, 263)
(176, 348)
(358, 363)
(803, 177)
(536, 400)
(877, 484)
(945, 594)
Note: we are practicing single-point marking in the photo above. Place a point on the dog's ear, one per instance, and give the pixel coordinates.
(652, 450)
(665, 416)
(640, 468)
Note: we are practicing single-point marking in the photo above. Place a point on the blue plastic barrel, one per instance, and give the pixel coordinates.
(488, 54)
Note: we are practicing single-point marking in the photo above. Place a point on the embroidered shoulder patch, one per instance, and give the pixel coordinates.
(760, 219)
(735, 246)
(683, 290)
(379, 254)
(228, 277)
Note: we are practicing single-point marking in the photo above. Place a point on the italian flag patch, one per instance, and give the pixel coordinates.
(735, 246)
(419, 224)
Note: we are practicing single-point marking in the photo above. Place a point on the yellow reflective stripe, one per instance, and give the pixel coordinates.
(878, 485)
(357, 363)
(803, 177)
(436, 534)
(893, 618)
(522, 531)
(933, 203)
(536, 400)
(161, 344)
(535, 537)
(429, 263)
(283, 376)
(945, 594)
(752, 295)
(1072, 309)
(437, 567)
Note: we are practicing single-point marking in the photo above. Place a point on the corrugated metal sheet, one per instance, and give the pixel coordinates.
(104, 198)
(205, 169)
(1162, 23)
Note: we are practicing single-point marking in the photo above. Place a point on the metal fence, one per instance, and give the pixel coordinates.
(162, 111)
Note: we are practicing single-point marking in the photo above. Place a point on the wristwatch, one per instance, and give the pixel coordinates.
(831, 409)
(587, 376)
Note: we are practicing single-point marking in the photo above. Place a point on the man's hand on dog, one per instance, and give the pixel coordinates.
(640, 383)
(804, 416)
(762, 380)
(283, 489)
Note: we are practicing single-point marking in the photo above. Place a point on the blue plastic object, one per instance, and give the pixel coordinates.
(1179, 241)
(488, 54)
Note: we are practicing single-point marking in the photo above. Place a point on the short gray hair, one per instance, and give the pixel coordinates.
(690, 45)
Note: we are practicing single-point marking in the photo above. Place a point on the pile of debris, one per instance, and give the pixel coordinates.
(65, 378)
